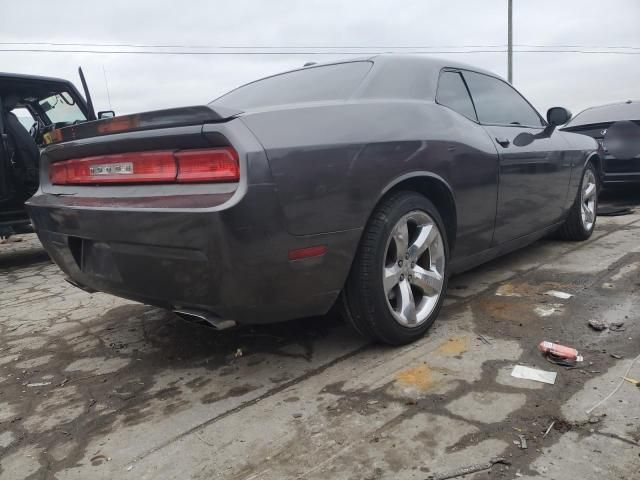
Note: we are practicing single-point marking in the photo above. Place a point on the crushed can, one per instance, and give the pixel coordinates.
(560, 351)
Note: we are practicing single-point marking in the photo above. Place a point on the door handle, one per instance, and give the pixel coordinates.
(503, 141)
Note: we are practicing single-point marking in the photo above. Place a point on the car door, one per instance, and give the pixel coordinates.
(474, 161)
(535, 167)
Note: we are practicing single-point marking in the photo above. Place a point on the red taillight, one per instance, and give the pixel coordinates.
(157, 166)
(163, 166)
(220, 165)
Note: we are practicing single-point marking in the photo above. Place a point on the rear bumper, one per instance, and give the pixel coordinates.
(231, 261)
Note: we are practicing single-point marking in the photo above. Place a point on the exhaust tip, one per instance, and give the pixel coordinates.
(204, 318)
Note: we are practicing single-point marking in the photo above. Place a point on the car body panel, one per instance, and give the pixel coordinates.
(535, 169)
(331, 168)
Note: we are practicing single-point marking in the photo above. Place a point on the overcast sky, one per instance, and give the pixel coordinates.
(146, 82)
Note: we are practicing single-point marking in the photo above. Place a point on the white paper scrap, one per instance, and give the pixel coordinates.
(520, 371)
(548, 309)
(559, 294)
(39, 384)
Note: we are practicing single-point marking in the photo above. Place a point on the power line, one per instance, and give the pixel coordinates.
(266, 47)
(608, 47)
(281, 47)
(297, 52)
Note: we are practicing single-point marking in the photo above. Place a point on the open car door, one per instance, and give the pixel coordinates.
(32, 109)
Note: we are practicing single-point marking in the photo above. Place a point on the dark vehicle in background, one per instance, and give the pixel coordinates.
(364, 183)
(616, 127)
(31, 108)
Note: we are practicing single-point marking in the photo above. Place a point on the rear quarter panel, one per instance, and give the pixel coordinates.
(333, 162)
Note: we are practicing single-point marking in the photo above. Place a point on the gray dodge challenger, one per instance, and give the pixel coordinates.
(361, 184)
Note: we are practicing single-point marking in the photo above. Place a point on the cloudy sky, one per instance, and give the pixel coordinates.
(149, 81)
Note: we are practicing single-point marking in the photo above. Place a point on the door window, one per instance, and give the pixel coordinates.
(453, 93)
(497, 103)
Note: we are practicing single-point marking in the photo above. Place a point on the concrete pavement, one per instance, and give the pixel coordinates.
(92, 386)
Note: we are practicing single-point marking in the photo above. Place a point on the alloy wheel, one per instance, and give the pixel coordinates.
(414, 268)
(588, 199)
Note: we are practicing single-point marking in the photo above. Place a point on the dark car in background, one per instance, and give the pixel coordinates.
(364, 183)
(31, 107)
(616, 127)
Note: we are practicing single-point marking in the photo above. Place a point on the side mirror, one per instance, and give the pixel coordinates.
(106, 114)
(558, 116)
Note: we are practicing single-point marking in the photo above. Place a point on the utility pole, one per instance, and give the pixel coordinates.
(510, 44)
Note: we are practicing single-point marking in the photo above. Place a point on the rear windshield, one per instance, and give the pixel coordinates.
(313, 84)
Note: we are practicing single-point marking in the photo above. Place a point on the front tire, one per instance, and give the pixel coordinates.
(399, 276)
(581, 220)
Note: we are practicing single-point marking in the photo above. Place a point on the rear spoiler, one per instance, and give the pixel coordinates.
(171, 117)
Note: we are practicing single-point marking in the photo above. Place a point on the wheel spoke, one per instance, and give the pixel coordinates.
(429, 281)
(401, 238)
(588, 214)
(426, 235)
(589, 191)
(407, 303)
(391, 278)
(436, 253)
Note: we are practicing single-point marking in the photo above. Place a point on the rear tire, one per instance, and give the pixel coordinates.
(581, 221)
(398, 278)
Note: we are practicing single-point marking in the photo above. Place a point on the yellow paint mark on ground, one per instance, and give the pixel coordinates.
(420, 377)
(453, 346)
(509, 290)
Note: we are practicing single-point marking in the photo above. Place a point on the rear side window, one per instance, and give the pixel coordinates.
(498, 103)
(453, 93)
(324, 83)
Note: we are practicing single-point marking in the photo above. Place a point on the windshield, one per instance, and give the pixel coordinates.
(62, 108)
(314, 84)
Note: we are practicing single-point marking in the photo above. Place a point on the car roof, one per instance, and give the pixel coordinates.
(32, 85)
(436, 63)
(411, 76)
(425, 60)
(24, 76)
(612, 112)
(391, 59)
(393, 75)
